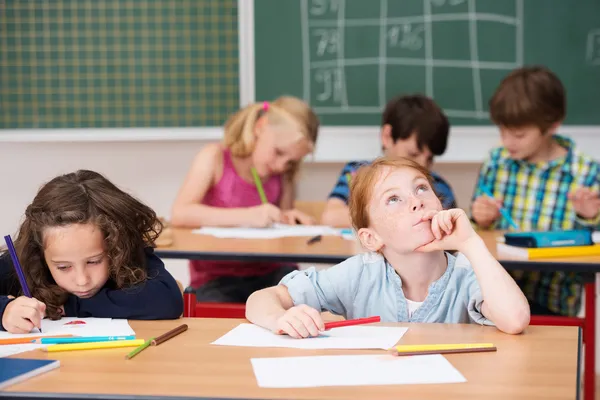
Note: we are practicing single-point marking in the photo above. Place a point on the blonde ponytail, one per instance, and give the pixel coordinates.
(239, 130)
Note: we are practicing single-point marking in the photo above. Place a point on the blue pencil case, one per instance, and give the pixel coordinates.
(549, 238)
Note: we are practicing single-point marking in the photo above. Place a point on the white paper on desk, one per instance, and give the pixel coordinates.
(302, 372)
(75, 327)
(273, 232)
(347, 337)
(11, 349)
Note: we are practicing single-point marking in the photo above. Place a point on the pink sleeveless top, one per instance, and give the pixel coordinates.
(233, 192)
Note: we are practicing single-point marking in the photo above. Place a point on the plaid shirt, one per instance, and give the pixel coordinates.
(535, 195)
(342, 190)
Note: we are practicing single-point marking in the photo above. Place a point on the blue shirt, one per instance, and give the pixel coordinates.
(342, 190)
(366, 285)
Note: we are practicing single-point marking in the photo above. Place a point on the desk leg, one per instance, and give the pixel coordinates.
(589, 339)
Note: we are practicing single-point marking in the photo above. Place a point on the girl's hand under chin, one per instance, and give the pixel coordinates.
(451, 230)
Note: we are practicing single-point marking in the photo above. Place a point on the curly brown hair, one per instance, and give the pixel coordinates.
(82, 197)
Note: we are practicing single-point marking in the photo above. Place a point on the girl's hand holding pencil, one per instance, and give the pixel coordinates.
(299, 321)
(263, 216)
(23, 314)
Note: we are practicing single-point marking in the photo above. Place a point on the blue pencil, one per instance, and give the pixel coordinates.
(503, 210)
(64, 340)
(18, 268)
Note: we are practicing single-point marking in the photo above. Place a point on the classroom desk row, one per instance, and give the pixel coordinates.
(331, 249)
(542, 363)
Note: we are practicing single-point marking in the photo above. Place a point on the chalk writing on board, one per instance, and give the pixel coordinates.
(328, 41)
(440, 3)
(321, 7)
(406, 36)
(400, 39)
(593, 47)
(331, 83)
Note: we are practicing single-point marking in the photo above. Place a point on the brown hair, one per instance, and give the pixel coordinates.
(417, 115)
(128, 226)
(362, 184)
(239, 129)
(529, 96)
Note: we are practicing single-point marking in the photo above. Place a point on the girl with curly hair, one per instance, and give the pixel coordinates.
(86, 248)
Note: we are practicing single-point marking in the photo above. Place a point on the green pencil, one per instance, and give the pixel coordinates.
(259, 186)
(139, 349)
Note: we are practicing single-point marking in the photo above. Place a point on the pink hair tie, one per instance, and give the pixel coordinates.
(266, 106)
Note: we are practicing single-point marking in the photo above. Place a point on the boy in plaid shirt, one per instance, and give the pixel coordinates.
(541, 178)
(412, 127)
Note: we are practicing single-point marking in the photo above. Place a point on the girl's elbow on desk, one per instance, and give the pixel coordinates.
(515, 323)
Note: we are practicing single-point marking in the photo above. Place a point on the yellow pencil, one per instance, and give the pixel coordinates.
(94, 345)
(405, 350)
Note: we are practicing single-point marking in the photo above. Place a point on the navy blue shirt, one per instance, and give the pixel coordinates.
(342, 190)
(158, 297)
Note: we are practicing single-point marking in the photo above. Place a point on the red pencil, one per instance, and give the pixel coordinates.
(350, 322)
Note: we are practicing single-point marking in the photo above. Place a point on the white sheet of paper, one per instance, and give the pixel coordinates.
(11, 349)
(92, 327)
(302, 372)
(347, 337)
(274, 232)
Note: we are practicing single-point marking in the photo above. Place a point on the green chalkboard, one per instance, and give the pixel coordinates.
(118, 63)
(348, 57)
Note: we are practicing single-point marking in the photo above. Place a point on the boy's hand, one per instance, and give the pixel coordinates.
(485, 210)
(585, 202)
(263, 216)
(293, 217)
(23, 314)
(451, 230)
(300, 321)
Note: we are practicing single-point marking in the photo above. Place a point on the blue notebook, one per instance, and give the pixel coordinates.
(15, 370)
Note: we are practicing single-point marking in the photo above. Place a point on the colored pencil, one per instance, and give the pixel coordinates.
(314, 239)
(412, 350)
(348, 322)
(169, 335)
(351, 322)
(139, 349)
(28, 340)
(503, 211)
(18, 269)
(79, 339)
(259, 186)
(94, 345)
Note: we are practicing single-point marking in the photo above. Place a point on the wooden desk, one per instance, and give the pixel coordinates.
(190, 246)
(540, 364)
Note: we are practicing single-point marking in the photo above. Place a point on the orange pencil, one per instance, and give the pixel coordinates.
(27, 340)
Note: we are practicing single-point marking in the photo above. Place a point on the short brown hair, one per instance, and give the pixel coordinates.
(361, 186)
(417, 115)
(529, 96)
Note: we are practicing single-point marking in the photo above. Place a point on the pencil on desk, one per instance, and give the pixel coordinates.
(314, 239)
(420, 349)
(169, 335)
(94, 345)
(259, 186)
(81, 339)
(18, 269)
(139, 349)
(28, 340)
